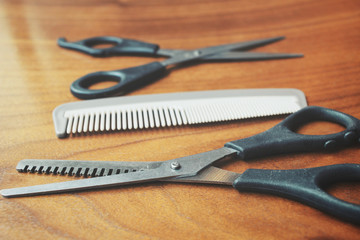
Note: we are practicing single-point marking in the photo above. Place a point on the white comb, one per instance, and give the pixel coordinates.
(173, 109)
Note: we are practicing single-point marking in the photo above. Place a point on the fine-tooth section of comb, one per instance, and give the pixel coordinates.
(81, 168)
(173, 109)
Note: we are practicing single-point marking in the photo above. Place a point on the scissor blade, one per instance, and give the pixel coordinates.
(210, 175)
(249, 56)
(184, 166)
(203, 52)
(92, 183)
(82, 168)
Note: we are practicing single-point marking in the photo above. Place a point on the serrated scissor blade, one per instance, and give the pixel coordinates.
(91, 183)
(185, 166)
(82, 168)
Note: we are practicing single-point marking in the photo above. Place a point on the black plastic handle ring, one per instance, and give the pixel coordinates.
(306, 186)
(127, 79)
(282, 138)
(118, 46)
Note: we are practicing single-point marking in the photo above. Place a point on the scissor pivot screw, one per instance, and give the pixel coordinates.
(175, 165)
(350, 136)
(197, 53)
(330, 145)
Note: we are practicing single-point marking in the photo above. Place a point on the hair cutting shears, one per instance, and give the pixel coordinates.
(303, 185)
(134, 77)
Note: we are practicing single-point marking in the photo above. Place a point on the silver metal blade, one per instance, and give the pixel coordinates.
(235, 55)
(90, 183)
(82, 168)
(185, 166)
(202, 52)
(249, 56)
(210, 175)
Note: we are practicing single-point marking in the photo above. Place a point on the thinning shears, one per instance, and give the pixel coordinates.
(130, 78)
(304, 185)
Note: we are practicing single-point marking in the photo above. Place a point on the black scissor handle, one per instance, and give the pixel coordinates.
(118, 46)
(127, 80)
(282, 138)
(306, 186)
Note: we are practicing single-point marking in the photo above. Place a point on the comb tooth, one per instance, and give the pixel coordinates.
(75, 123)
(135, 119)
(108, 121)
(202, 113)
(233, 110)
(206, 112)
(184, 117)
(253, 110)
(156, 117)
(172, 116)
(118, 119)
(211, 113)
(261, 111)
(190, 115)
(123, 119)
(151, 118)
(97, 122)
(195, 114)
(167, 117)
(236, 110)
(198, 114)
(113, 120)
(162, 117)
(85, 123)
(129, 119)
(81, 123)
(91, 121)
(219, 113)
(222, 112)
(226, 112)
(178, 116)
(69, 124)
(102, 121)
(145, 118)
(140, 118)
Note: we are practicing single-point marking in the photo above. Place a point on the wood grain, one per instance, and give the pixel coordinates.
(35, 75)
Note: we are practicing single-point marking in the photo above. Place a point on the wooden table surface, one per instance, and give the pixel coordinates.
(35, 75)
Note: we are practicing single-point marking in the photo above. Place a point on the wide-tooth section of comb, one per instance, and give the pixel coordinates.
(165, 110)
(81, 168)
